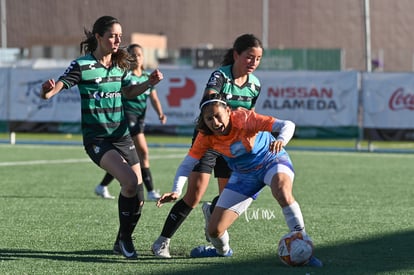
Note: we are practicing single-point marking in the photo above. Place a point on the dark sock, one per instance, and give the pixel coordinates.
(213, 203)
(147, 178)
(126, 209)
(175, 218)
(106, 179)
(138, 207)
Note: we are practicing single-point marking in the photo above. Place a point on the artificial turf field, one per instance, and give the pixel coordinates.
(358, 209)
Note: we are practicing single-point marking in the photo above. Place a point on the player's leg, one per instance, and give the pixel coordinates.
(197, 185)
(229, 207)
(143, 153)
(281, 184)
(121, 160)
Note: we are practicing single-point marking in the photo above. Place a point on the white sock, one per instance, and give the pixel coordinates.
(221, 243)
(293, 217)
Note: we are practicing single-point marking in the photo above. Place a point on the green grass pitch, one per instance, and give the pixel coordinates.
(358, 209)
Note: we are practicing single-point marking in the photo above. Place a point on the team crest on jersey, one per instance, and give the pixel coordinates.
(96, 149)
(98, 80)
(92, 67)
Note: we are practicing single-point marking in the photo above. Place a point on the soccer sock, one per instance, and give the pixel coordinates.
(147, 178)
(293, 217)
(175, 218)
(106, 180)
(221, 243)
(138, 207)
(126, 208)
(213, 203)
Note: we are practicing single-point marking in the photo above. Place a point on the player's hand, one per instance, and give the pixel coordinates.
(167, 197)
(47, 86)
(276, 146)
(155, 77)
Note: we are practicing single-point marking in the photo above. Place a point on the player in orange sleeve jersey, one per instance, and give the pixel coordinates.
(244, 138)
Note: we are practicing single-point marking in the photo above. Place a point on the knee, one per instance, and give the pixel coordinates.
(129, 187)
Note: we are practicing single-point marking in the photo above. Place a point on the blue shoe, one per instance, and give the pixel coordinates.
(314, 262)
(203, 251)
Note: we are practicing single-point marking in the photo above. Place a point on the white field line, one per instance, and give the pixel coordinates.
(65, 161)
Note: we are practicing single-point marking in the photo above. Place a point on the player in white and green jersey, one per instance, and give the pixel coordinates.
(102, 76)
(135, 111)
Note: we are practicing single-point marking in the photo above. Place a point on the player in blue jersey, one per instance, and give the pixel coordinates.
(256, 158)
(235, 80)
(102, 75)
(135, 110)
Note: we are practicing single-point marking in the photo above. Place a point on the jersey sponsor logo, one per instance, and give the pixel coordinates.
(99, 95)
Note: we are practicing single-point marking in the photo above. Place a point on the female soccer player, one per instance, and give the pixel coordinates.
(102, 75)
(235, 79)
(135, 110)
(256, 158)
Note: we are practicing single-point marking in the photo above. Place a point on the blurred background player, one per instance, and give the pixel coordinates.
(257, 159)
(240, 88)
(102, 78)
(135, 110)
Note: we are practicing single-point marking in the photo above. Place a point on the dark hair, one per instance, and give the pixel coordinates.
(208, 100)
(132, 59)
(241, 44)
(90, 44)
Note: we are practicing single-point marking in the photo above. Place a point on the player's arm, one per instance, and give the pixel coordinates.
(285, 130)
(180, 179)
(132, 91)
(70, 78)
(156, 104)
(50, 88)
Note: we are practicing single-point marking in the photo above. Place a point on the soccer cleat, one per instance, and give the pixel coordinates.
(206, 211)
(203, 251)
(103, 192)
(314, 262)
(126, 246)
(161, 249)
(153, 195)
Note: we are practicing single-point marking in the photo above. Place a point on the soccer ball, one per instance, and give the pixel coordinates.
(295, 248)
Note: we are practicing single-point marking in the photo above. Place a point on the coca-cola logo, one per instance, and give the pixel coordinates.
(400, 100)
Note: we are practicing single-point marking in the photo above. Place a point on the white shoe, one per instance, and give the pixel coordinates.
(161, 248)
(153, 195)
(206, 211)
(103, 192)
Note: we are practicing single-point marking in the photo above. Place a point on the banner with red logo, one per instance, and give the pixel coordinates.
(388, 100)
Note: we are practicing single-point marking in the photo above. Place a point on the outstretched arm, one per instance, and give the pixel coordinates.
(180, 179)
(133, 91)
(50, 88)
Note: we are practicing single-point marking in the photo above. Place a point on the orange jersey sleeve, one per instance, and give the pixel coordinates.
(245, 124)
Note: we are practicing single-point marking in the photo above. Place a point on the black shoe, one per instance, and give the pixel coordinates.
(126, 247)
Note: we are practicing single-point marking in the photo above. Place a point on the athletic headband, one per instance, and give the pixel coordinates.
(210, 101)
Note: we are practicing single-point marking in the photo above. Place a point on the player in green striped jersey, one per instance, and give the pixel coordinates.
(135, 110)
(101, 75)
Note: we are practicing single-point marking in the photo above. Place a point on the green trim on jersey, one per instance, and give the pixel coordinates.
(138, 105)
(239, 96)
(101, 101)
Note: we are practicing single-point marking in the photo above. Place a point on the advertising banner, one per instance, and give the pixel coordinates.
(388, 100)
